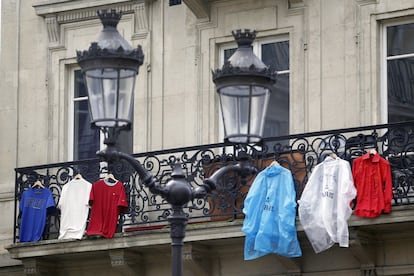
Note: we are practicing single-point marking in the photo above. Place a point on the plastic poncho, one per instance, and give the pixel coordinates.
(270, 209)
(324, 207)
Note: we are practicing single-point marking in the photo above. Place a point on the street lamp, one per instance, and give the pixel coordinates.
(110, 66)
(244, 85)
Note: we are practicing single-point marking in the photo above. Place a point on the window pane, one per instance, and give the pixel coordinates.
(80, 90)
(228, 53)
(400, 90)
(276, 55)
(277, 116)
(400, 39)
(86, 139)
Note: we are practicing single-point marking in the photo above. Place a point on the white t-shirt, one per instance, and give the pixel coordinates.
(74, 208)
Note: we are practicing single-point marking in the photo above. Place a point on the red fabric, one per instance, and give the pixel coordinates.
(107, 202)
(372, 179)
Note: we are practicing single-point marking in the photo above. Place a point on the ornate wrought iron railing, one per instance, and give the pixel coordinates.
(299, 153)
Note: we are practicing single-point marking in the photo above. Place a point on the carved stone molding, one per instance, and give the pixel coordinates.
(200, 8)
(141, 20)
(59, 12)
(294, 4)
(196, 259)
(44, 7)
(126, 262)
(366, 2)
(295, 7)
(368, 271)
(292, 265)
(35, 267)
(361, 246)
(53, 30)
(87, 14)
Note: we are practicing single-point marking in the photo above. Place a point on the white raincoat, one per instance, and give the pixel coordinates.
(324, 207)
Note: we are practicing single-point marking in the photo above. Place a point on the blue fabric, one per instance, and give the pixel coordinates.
(33, 206)
(270, 209)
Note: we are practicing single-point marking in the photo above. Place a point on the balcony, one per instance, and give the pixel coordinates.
(219, 216)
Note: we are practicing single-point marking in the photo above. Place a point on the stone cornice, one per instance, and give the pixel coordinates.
(295, 4)
(366, 2)
(161, 237)
(62, 16)
(47, 7)
(58, 12)
(401, 217)
(200, 8)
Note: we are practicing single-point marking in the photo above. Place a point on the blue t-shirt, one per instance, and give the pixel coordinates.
(33, 206)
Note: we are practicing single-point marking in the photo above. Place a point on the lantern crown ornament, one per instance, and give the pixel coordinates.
(244, 84)
(110, 45)
(244, 61)
(110, 66)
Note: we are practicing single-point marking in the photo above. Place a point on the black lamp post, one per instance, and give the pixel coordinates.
(110, 66)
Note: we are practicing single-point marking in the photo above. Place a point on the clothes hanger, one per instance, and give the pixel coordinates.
(372, 151)
(78, 176)
(110, 178)
(333, 155)
(274, 162)
(38, 184)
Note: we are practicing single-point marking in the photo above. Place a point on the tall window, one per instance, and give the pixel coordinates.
(275, 54)
(400, 72)
(86, 141)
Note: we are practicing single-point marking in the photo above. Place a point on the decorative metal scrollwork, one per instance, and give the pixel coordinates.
(298, 153)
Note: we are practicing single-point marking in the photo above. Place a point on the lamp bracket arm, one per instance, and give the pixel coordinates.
(146, 177)
(209, 184)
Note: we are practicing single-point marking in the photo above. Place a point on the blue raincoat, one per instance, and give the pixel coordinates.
(270, 209)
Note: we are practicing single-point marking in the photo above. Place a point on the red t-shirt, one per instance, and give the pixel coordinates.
(372, 178)
(107, 200)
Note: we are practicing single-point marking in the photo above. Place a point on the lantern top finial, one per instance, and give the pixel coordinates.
(110, 49)
(244, 62)
(244, 38)
(109, 18)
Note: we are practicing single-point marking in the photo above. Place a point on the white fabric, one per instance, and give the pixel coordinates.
(324, 207)
(74, 207)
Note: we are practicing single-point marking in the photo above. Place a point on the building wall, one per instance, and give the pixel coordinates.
(9, 87)
(334, 54)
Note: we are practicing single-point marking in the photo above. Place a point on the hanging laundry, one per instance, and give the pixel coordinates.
(324, 206)
(34, 204)
(373, 181)
(270, 209)
(74, 208)
(108, 199)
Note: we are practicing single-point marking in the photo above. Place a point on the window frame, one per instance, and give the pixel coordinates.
(384, 66)
(71, 114)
